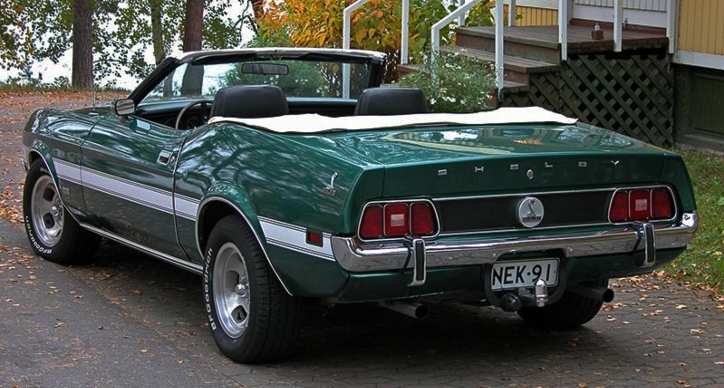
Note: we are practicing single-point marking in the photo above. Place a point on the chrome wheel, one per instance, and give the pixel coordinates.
(231, 290)
(46, 210)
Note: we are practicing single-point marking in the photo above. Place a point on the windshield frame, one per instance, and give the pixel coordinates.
(375, 60)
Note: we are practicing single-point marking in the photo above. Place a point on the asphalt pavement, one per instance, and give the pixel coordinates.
(127, 320)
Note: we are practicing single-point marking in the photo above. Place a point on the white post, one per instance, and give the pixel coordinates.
(346, 43)
(618, 25)
(404, 39)
(563, 28)
(672, 25)
(499, 49)
(461, 18)
(511, 13)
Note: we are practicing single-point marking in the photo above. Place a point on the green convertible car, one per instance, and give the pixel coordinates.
(288, 176)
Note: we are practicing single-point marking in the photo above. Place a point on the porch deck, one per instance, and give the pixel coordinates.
(579, 37)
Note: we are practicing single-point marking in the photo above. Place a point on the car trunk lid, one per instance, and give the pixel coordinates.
(456, 161)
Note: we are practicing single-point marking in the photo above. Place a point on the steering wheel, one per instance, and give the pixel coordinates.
(189, 105)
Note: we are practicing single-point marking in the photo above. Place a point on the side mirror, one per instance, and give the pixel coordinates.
(124, 107)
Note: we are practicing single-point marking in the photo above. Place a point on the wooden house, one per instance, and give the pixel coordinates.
(653, 69)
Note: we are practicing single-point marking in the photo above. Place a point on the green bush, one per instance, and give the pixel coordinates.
(454, 83)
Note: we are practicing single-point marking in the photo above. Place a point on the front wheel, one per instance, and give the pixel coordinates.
(51, 230)
(570, 311)
(251, 317)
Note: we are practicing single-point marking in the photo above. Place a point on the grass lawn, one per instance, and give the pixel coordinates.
(702, 265)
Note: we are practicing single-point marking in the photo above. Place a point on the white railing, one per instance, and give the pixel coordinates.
(458, 13)
(563, 28)
(346, 20)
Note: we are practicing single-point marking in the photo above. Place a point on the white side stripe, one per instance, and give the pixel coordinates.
(128, 190)
(277, 233)
(67, 171)
(157, 199)
(294, 238)
(186, 207)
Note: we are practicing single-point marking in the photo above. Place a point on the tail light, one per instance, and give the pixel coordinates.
(371, 225)
(641, 205)
(398, 219)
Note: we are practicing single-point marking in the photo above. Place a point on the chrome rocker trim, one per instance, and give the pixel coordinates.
(181, 263)
(355, 257)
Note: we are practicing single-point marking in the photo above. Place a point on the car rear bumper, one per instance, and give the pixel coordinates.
(419, 255)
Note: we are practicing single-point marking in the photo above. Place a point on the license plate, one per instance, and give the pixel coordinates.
(524, 273)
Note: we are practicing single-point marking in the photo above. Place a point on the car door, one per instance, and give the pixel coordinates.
(127, 173)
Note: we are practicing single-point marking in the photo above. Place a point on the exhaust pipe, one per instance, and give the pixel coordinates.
(411, 309)
(603, 294)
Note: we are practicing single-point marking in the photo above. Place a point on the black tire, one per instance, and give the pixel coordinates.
(570, 311)
(52, 232)
(251, 316)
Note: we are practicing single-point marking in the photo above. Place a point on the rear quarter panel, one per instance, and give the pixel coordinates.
(284, 188)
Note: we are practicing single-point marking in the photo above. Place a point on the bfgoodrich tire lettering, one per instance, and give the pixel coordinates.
(52, 232)
(570, 311)
(251, 317)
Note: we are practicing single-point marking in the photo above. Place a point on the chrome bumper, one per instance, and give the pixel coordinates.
(420, 255)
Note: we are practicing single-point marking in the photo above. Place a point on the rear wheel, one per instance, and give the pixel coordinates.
(251, 317)
(51, 230)
(570, 311)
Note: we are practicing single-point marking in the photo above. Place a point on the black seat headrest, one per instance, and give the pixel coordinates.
(250, 102)
(387, 101)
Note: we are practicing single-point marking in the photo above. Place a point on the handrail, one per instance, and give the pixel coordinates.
(563, 28)
(512, 10)
(447, 20)
(498, 16)
(346, 20)
(499, 50)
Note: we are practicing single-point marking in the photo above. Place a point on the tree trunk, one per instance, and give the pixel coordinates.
(193, 26)
(193, 77)
(159, 52)
(82, 67)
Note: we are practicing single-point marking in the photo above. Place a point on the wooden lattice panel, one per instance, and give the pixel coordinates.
(628, 93)
(631, 93)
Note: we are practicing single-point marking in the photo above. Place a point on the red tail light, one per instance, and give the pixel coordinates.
(398, 219)
(619, 207)
(371, 225)
(661, 206)
(641, 205)
(423, 221)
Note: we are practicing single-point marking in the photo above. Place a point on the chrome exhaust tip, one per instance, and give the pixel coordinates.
(411, 309)
(603, 294)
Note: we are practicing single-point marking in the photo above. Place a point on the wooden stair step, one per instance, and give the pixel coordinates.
(532, 39)
(511, 62)
(508, 86)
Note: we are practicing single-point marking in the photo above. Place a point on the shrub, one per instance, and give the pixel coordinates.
(454, 83)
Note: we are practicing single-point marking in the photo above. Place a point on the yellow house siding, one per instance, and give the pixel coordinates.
(701, 26)
(531, 16)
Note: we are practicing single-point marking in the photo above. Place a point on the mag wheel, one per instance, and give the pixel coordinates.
(570, 311)
(52, 232)
(251, 317)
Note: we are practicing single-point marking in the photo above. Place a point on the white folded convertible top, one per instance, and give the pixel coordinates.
(312, 123)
